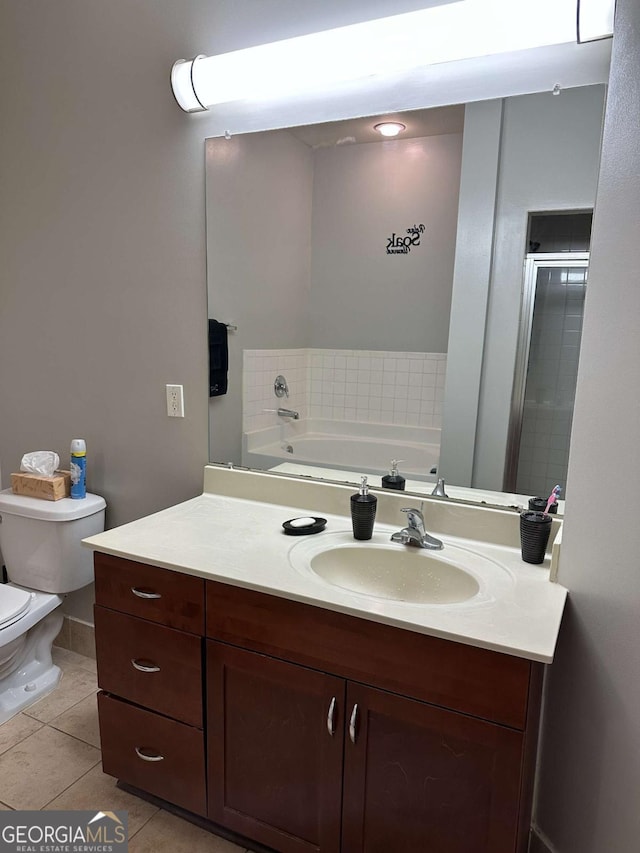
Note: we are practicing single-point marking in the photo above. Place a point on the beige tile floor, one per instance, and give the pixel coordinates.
(50, 759)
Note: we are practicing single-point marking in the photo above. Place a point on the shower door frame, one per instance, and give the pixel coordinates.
(532, 264)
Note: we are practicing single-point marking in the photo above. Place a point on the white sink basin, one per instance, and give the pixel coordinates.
(379, 568)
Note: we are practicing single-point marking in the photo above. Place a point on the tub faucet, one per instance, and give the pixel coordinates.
(415, 534)
(288, 413)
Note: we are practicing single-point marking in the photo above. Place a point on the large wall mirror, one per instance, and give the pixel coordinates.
(385, 281)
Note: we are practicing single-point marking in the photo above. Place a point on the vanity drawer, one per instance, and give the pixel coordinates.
(151, 665)
(160, 756)
(463, 678)
(170, 598)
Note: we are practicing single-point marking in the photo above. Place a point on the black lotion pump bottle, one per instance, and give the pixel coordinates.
(393, 480)
(363, 512)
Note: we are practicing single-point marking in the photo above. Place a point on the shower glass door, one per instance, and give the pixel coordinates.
(546, 372)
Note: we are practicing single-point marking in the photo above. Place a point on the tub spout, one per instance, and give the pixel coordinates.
(288, 413)
(284, 413)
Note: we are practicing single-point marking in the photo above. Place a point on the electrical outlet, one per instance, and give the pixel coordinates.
(175, 401)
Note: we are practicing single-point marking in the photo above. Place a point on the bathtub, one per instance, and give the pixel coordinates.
(365, 448)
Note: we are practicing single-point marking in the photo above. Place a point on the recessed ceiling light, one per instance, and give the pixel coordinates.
(390, 128)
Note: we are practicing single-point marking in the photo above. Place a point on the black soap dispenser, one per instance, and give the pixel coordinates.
(363, 512)
(393, 480)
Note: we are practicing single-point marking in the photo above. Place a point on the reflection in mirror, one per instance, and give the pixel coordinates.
(383, 279)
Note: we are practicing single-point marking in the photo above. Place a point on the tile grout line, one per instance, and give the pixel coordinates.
(18, 742)
(151, 816)
(71, 784)
(75, 737)
(49, 722)
(57, 716)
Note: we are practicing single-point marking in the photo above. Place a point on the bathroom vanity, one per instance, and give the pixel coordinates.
(302, 717)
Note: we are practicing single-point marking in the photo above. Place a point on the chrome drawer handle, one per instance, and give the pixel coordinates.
(141, 593)
(331, 717)
(141, 754)
(352, 723)
(142, 667)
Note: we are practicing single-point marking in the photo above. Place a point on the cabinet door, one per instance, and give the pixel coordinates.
(418, 777)
(276, 735)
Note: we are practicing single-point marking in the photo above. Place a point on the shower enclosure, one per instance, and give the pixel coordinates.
(546, 372)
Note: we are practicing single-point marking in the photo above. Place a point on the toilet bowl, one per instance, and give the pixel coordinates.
(41, 547)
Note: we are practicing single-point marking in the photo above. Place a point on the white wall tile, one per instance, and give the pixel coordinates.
(372, 386)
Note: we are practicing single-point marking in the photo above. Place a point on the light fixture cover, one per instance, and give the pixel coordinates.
(463, 29)
(389, 128)
(595, 19)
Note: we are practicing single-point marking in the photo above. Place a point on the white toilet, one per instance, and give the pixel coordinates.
(41, 548)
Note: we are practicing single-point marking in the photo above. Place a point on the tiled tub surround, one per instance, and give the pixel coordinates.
(347, 401)
(260, 368)
(372, 386)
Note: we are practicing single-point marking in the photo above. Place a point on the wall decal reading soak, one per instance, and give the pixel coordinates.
(398, 244)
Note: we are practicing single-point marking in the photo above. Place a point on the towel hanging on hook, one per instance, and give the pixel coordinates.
(218, 358)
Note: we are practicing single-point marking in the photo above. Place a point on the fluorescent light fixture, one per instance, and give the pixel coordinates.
(595, 19)
(389, 128)
(313, 63)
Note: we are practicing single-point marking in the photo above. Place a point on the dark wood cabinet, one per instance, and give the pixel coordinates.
(417, 777)
(156, 667)
(153, 753)
(149, 625)
(319, 731)
(413, 776)
(275, 745)
(158, 595)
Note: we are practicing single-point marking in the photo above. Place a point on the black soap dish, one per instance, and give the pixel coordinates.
(314, 525)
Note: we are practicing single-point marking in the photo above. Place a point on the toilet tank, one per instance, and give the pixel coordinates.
(40, 540)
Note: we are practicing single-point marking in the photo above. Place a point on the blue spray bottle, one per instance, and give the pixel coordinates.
(78, 468)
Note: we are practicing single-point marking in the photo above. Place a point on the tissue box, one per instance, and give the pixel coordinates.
(37, 486)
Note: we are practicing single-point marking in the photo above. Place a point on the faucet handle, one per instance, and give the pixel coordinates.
(414, 516)
(401, 536)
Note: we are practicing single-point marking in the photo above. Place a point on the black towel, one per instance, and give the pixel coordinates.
(218, 358)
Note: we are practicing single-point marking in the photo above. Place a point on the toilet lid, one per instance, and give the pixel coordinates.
(14, 603)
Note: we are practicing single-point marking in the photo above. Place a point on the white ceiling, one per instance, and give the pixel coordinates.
(433, 122)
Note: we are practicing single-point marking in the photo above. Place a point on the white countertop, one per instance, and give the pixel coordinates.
(241, 542)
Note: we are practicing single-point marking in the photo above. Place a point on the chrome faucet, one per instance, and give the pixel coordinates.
(415, 534)
(439, 491)
(288, 413)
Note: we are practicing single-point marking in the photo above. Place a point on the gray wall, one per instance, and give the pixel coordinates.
(258, 258)
(361, 297)
(589, 787)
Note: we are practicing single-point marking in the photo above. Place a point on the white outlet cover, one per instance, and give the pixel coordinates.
(175, 401)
